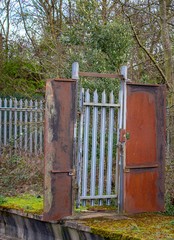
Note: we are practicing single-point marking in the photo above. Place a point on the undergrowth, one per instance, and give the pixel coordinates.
(20, 174)
(169, 207)
(2, 199)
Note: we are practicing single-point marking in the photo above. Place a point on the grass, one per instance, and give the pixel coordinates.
(25, 203)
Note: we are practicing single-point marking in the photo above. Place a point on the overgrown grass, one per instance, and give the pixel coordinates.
(169, 207)
(2, 199)
(24, 202)
(20, 174)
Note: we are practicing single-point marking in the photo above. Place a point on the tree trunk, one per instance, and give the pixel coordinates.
(167, 48)
(1, 56)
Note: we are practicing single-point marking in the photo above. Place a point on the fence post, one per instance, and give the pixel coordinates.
(123, 147)
(75, 71)
(75, 76)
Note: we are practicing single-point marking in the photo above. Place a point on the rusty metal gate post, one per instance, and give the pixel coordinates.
(60, 115)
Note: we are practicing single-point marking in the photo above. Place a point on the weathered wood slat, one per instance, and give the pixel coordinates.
(103, 75)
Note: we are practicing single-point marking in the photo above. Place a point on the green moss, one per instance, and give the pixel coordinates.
(102, 208)
(81, 209)
(25, 202)
(138, 226)
(95, 209)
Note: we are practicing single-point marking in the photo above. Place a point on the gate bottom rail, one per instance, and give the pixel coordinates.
(98, 197)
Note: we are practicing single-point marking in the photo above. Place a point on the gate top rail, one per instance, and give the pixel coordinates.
(76, 74)
(103, 75)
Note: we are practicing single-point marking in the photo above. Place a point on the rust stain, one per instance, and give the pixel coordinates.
(145, 149)
(59, 135)
(141, 125)
(142, 189)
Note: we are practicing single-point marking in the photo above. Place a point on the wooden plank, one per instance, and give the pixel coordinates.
(103, 75)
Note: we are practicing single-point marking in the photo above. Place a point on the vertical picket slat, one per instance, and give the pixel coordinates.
(110, 149)
(102, 147)
(10, 119)
(94, 147)
(40, 128)
(79, 151)
(20, 124)
(0, 125)
(15, 123)
(35, 132)
(26, 128)
(85, 151)
(31, 126)
(5, 122)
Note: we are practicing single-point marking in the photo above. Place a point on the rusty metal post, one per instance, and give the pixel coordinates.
(60, 115)
(75, 76)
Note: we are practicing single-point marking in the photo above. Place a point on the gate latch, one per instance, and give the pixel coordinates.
(122, 135)
(70, 172)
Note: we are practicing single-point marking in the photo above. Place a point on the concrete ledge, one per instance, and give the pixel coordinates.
(20, 225)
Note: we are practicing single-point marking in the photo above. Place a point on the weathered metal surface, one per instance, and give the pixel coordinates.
(122, 135)
(59, 136)
(145, 149)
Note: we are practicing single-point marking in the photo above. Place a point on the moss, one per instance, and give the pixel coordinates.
(95, 208)
(25, 202)
(102, 208)
(138, 226)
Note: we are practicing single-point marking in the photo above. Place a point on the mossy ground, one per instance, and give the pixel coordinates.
(25, 202)
(138, 226)
(95, 208)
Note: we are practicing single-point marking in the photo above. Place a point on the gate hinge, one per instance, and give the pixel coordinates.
(70, 172)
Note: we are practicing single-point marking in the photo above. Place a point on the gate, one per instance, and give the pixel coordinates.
(99, 151)
(121, 146)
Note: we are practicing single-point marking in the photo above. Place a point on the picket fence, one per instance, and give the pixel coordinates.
(21, 125)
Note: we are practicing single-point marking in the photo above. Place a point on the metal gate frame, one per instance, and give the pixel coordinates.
(120, 138)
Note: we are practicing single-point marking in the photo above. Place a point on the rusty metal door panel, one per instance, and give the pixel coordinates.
(145, 148)
(60, 115)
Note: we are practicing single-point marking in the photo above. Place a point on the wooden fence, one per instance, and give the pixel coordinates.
(22, 125)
